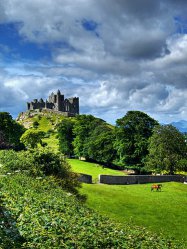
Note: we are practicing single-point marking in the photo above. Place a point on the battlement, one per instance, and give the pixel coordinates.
(56, 102)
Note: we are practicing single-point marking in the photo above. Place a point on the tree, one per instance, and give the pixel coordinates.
(31, 138)
(167, 149)
(3, 142)
(11, 131)
(84, 125)
(66, 136)
(132, 134)
(100, 144)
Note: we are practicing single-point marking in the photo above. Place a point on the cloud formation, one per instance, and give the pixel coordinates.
(115, 55)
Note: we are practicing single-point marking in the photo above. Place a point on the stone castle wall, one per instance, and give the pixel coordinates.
(56, 102)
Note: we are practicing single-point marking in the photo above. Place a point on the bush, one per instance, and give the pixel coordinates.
(31, 138)
(40, 162)
(13, 161)
(35, 124)
(48, 133)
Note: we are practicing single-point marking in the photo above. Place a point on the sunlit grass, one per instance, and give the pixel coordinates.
(45, 124)
(162, 212)
(92, 169)
(52, 142)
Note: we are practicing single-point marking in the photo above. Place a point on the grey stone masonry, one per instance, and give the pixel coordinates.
(138, 179)
(85, 178)
(56, 102)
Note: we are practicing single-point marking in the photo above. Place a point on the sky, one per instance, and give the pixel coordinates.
(115, 55)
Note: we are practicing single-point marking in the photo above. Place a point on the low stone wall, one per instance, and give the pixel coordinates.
(138, 179)
(85, 178)
(185, 178)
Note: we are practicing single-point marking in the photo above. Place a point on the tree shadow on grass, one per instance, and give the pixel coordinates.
(10, 237)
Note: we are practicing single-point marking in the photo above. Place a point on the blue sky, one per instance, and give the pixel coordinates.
(115, 55)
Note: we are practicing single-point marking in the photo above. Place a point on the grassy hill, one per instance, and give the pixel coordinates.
(47, 122)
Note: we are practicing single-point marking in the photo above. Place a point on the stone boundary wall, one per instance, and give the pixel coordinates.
(85, 178)
(138, 179)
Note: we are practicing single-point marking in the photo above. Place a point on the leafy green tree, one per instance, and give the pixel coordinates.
(167, 150)
(66, 136)
(3, 142)
(132, 134)
(31, 138)
(83, 127)
(100, 144)
(11, 131)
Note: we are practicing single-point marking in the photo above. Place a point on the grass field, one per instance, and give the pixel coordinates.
(92, 169)
(162, 212)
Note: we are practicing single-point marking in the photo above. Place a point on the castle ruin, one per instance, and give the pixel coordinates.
(56, 102)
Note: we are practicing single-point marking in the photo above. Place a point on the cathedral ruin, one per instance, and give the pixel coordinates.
(57, 102)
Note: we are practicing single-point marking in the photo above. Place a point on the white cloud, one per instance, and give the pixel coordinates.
(132, 59)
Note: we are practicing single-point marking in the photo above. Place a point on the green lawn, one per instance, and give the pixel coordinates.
(162, 212)
(92, 169)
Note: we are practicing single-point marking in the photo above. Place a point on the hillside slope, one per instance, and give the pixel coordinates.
(44, 120)
(30, 220)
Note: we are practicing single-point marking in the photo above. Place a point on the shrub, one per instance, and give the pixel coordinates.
(31, 138)
(40, 162)
(35, 124)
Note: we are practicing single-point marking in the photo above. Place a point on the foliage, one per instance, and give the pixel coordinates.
(59, 221)
(84, 126)
(3, 142)
(100, 146)
(40, 162)
(167, 150)
(9, 234)
(132, 134)
(10, 131)
(31, 138)
(94, 139)
(35, 124)
(13, 161)
(182, 165)
(66, 136)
